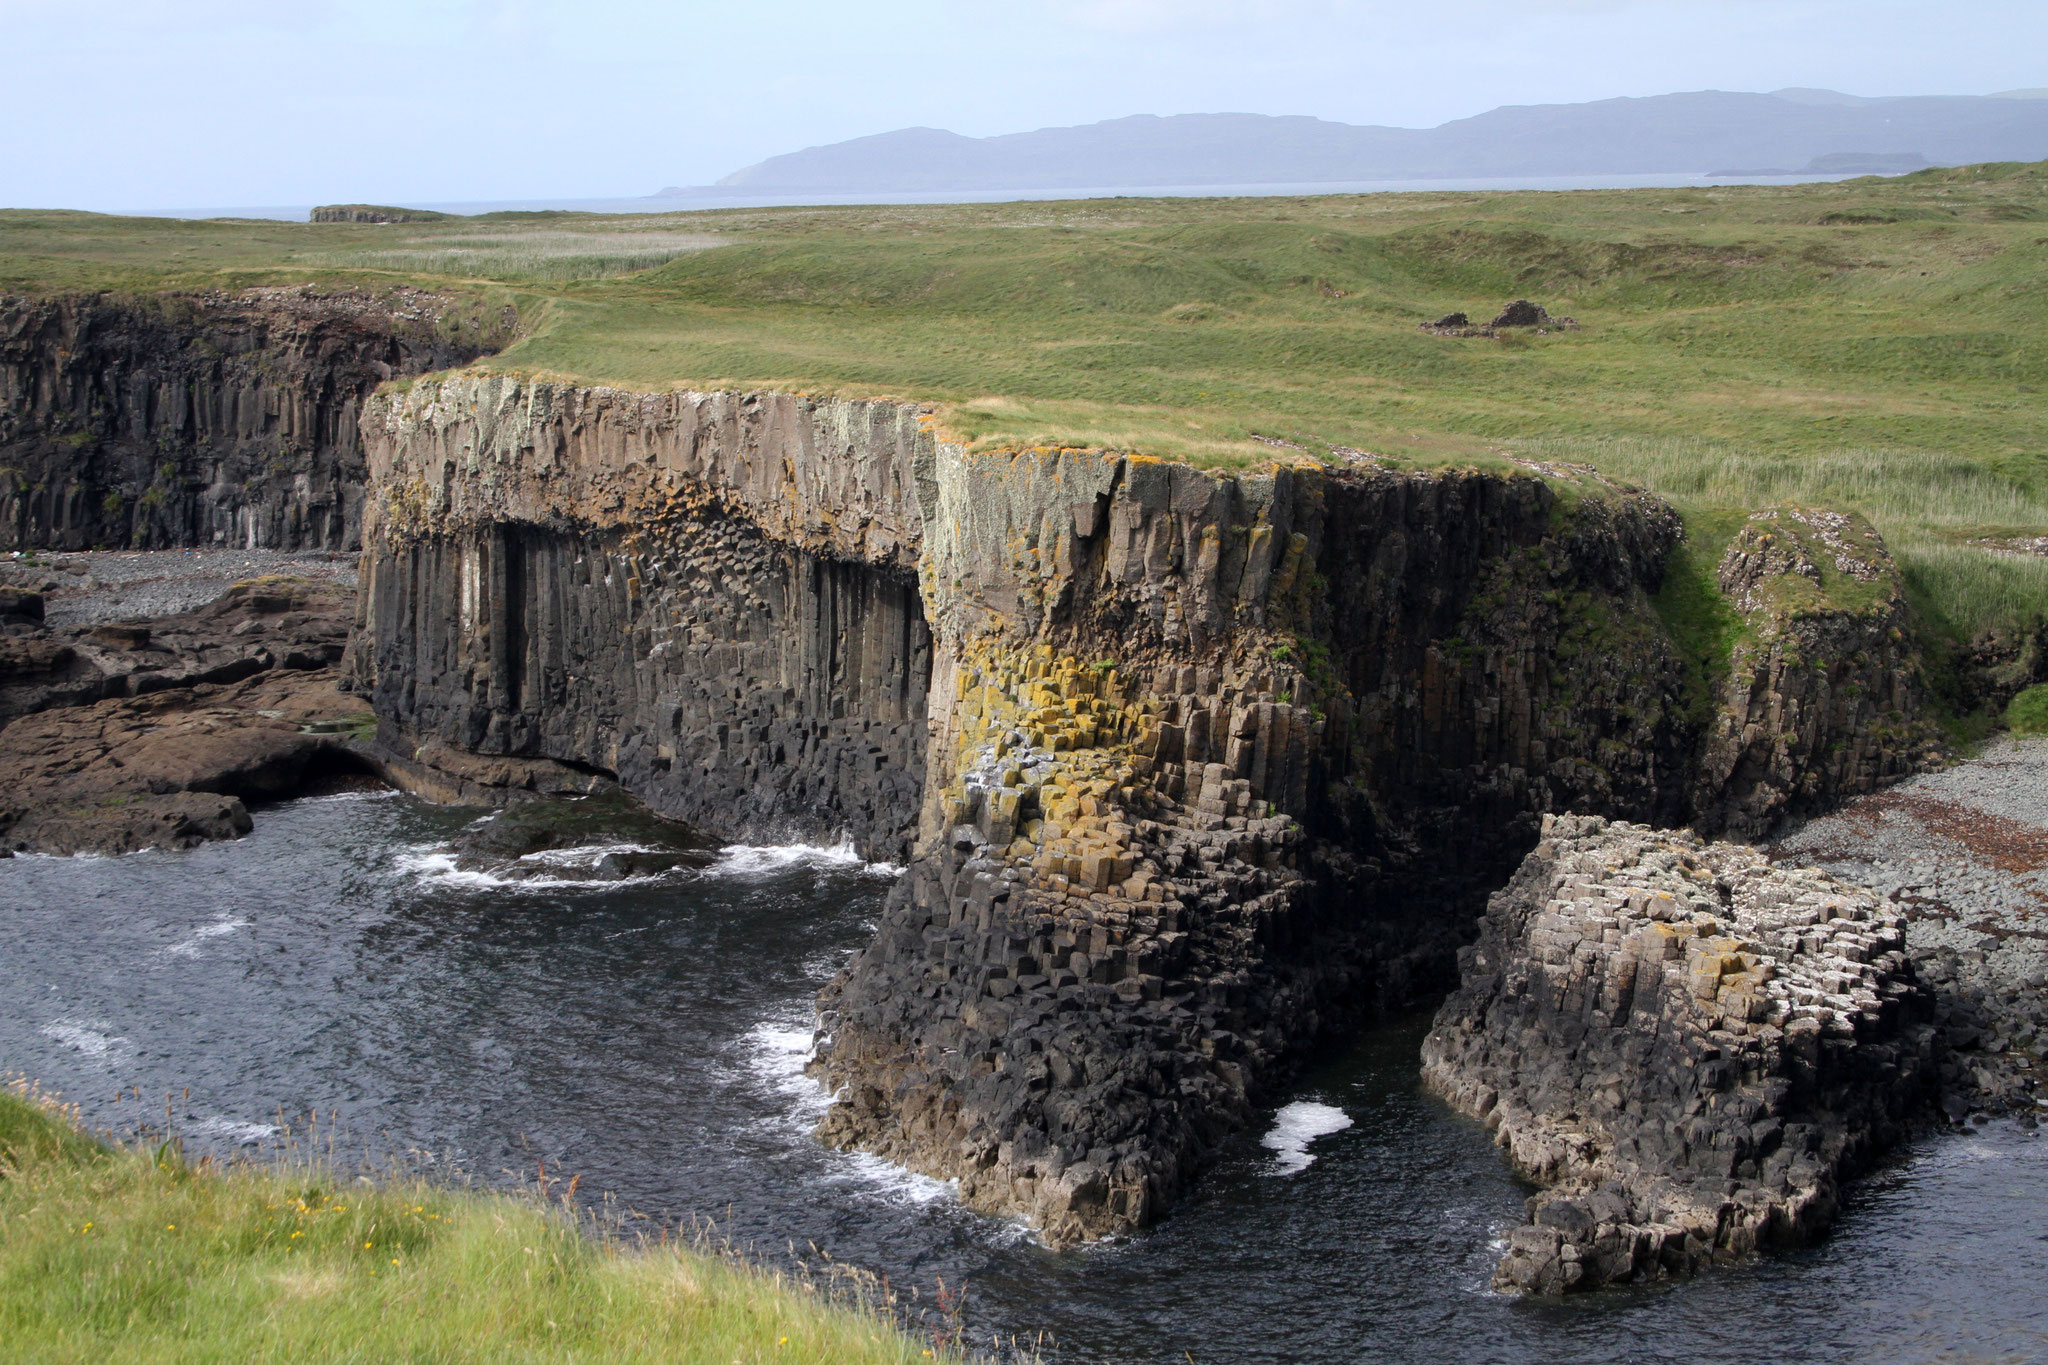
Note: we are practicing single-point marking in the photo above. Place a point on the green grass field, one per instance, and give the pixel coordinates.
(128, 1254)
(1879, 345)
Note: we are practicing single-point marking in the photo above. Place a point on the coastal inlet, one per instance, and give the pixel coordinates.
(649, 1033)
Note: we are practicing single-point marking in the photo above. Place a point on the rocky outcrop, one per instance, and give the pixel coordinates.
(373, 213)
(1824, 696)
(710, 598)
(154, 734)
(1193, 769)
(1688, 1046)
(1190, 769)
(204, 419)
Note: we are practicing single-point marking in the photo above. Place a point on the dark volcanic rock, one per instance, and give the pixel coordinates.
(253, 627)
(1689, 1046)
(1191, 770)
(1522, 313)
(606, 836)
(113, 733)
(1825, 695)
(19, 608)
(219, 418)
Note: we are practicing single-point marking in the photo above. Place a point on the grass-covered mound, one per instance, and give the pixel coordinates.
(129, 1254)
(2027, 713)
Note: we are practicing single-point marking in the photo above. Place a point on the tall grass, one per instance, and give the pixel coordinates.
(1972, 589)
(526, 255)
(132, 1254)
(1925, 504)
(1902, 488)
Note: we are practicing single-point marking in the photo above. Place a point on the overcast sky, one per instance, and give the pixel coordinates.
(131, 104)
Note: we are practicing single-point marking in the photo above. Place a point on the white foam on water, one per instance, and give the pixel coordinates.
(94, 1038)
(906, 1186)
(587, 856)
(433, 864)
(232, 1130)
(758, 862)
(190, 945)
(776, 1053)
(1295, 1127)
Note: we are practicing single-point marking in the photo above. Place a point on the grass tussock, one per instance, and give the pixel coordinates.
(112, 1253)
(2027, 713)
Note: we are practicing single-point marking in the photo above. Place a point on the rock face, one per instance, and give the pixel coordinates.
(710, 599)
(153, 734)
(1963, 852)
(205, 419)
(1824, 695)
(1689, 1046)
(372, 213)
(1190, 769)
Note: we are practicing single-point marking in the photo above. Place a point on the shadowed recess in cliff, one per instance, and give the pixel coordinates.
(749, 688)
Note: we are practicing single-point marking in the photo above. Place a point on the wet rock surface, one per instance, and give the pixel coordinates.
(607, 836)
(1962, 854)
(155, 733)
(1689, 1046)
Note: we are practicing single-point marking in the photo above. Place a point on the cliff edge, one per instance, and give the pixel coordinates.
(1190, 770)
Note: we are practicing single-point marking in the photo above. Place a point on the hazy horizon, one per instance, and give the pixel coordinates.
(130, 107)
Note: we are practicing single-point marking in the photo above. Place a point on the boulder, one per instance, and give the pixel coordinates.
(1522, 313)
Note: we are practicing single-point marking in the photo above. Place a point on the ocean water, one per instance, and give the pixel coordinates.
(650, 1035)
(703, 198)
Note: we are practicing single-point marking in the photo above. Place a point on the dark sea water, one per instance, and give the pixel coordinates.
(650, 1036)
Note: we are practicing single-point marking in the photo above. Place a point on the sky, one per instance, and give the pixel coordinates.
(148, 104)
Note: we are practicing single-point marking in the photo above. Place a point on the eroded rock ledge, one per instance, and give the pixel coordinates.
(1689, 1046)
(1190, 769)
(153, 733)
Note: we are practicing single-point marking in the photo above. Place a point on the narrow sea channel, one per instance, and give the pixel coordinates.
(650, 1036)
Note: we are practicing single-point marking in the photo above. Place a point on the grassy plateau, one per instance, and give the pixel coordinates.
(129, 1254)
(1875, 344)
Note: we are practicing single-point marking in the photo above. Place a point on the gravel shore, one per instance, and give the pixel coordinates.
(1964, 852)
(89, 587)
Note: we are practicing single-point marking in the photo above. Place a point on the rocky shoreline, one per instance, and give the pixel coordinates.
(1963, 855)
(1174, 756)
(1688, 1046)
(1674, 1125)
(1192, 770)
(155, 731)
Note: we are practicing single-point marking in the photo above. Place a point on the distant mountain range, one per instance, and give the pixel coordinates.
(1786, 132)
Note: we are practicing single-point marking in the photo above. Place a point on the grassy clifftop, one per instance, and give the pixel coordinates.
(1879, 345)
(132, 1255)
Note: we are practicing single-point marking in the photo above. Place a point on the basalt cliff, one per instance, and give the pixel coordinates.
(1190, 770)
(212, 418)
